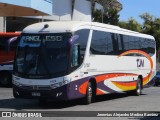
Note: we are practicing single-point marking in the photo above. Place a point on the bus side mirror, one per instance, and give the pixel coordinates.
(75, 55)
(10, 41)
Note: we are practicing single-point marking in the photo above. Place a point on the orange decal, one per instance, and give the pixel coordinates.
(146, 78)
(112, 75)
(121, 85)
(99, 92)
(83, 87)
(101, 78)
(125, 83)
(125, 86)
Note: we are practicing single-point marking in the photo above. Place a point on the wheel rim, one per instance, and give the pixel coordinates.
(89, 94)
(138, 88)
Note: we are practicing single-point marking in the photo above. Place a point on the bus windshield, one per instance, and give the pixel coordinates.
(42, 55)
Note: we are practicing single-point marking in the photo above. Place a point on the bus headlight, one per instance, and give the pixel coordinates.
(17, 83)
(53, 86)
(65, 82)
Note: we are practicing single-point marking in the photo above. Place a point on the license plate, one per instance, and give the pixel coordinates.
(37, 94)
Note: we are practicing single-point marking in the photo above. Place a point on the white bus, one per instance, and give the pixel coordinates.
(70, 60)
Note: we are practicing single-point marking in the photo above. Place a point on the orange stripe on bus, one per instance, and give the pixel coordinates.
(82, 89)
(99, 92)
(112, 75)
(125, 83)
(146, 78)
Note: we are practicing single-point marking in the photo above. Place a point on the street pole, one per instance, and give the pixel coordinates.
(102, 11)
(4, 24)
(42, 19)
(91, 10)
(102, 16)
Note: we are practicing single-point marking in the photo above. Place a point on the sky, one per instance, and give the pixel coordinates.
(134, 8)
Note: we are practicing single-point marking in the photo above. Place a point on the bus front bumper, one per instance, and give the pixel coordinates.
(59, 93)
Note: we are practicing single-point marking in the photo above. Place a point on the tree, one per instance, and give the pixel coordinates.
(110, 16)
(148, 23)
(134, 25)
(97, 16)
(122, 24)
(151, 26)
(131, 24)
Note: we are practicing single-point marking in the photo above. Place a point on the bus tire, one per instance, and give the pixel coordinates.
(6, 79)
(89, 98)
(138, 90)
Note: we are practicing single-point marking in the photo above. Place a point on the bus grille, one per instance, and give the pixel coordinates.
(35, 87)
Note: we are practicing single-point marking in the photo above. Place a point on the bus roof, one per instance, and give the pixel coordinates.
(9, 34)
(69, 26)
(54, 26)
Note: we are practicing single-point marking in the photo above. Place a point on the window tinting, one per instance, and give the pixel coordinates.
(82, 41)
(148, 46)
(101, 43)
(105, 43)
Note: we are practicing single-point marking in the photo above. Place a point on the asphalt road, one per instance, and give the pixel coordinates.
(148, 101)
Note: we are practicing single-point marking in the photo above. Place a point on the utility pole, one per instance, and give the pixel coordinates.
(102, 11)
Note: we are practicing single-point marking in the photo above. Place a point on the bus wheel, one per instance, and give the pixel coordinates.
(89, 94)
(138, 89)
(5, 79)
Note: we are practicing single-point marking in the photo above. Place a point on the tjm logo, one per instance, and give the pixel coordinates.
(140, 63)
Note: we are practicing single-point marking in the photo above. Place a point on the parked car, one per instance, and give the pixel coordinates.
(157, 79)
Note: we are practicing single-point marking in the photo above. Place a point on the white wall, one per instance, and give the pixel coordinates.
(62, 10)
(1, 24)
(82, 10)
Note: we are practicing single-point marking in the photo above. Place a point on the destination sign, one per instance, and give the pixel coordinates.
(45, 38)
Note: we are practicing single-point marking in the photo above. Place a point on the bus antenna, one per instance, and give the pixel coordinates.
(46, 26)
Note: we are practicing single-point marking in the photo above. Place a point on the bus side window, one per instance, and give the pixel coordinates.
(75, 55)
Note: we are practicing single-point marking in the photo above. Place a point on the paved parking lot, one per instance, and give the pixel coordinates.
(148, 101)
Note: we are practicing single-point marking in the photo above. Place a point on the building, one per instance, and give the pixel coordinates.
(46, 10)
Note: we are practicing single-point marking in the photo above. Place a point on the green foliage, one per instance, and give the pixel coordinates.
(151, 26)
(131, 24)
(97, 16)
(110, 16)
